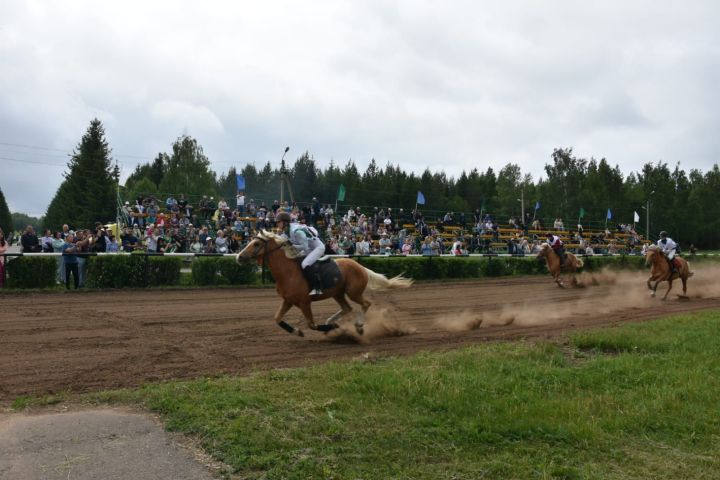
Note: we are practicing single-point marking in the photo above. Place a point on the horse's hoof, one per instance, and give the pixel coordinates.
(652, 294)
(360, 329)
(326, 327)
(300, 333)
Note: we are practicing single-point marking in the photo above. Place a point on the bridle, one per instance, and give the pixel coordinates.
(267, 253)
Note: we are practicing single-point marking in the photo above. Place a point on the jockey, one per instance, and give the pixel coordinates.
(306, 240)
(668, 247)
(557, 245)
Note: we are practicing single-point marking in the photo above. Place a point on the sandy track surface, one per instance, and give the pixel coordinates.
(51, 342)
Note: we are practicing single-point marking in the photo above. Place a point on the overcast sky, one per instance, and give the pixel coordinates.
(448, 85)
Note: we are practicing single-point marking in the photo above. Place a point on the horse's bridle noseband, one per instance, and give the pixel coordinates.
(267, 253)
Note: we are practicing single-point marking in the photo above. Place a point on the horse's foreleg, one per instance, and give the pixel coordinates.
(365, 304)
(307, 313)
(282, 323)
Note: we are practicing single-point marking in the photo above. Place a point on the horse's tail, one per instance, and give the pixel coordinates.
(580, 263)
(377, 281)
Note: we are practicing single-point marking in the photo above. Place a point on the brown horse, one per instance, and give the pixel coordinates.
(291, 285)
(661, 271)
(572, 263)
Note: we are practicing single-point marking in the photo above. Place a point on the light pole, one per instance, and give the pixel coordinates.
(647, 216)
(522, 205)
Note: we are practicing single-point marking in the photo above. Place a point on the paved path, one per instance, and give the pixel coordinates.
(92, 444)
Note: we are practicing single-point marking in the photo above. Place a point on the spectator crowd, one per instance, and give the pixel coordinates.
(217, 227)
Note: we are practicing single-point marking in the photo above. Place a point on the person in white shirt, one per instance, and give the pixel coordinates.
(240, 202)
(668, 247)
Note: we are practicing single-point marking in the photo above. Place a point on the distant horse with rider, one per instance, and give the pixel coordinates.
(662, 270)
(558, 261)
(348, 280)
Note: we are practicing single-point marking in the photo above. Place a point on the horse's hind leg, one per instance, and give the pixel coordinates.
(282, 323)
(668, 290)
(345, 308)
(358, 298)
(684, 280)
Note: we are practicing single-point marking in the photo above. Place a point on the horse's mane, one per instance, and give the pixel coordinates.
(287, 247)
(653, 248)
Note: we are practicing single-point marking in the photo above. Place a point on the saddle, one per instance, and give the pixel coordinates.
(326, 270)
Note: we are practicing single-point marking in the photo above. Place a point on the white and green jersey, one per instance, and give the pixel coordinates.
(300, 235)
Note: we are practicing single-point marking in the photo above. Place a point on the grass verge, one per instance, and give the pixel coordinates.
(638, 401)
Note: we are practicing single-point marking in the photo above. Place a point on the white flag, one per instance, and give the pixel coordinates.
(637, 217)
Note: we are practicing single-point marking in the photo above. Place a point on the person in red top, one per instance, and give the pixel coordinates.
(557, 245)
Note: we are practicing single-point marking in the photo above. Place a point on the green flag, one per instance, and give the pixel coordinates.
(582, 212)
(341, 193)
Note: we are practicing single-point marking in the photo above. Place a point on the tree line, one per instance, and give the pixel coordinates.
(683, 203)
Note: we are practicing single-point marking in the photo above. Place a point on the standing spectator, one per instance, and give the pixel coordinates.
(3, 249)
(171, 203)
(57, 246)
(112, 244)
(385, 245)
(83, 242)
(71, 262)
(151, 240)
(129, 241)
(29, 241)
(182, 205)
(221, 242)
(240, 199)
(46, 242)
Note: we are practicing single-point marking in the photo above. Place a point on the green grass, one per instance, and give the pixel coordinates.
(638, 401)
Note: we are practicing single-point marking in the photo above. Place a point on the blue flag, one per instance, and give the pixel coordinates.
(609, 215)
(420, 198)
(537, 205)
(240, 182)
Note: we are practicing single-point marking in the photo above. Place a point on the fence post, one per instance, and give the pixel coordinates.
(146, 271)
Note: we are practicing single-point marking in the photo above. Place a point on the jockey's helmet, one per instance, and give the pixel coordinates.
(663, 234)
(283, 217)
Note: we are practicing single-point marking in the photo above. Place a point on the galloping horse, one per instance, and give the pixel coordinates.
(661, 271)
(293, 288)
(572, 263)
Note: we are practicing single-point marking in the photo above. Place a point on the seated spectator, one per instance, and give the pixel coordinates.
(589, 250)
(209, 245)
(457, 247)
(427, 246)
(407, 247)
(384, 245)
(196, 246)
(362, 246)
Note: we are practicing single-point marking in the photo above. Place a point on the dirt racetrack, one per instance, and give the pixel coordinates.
(51, 342)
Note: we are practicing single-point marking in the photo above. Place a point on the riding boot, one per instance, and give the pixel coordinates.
(312, 275)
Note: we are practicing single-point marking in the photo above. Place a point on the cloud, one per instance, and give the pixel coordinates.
(448, 86)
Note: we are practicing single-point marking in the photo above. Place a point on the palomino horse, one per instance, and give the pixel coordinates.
(293, 288)
(660, 271)
(572, 263)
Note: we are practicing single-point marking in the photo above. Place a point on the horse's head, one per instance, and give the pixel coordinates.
(652, 253)
(544, 250)
(264, 244)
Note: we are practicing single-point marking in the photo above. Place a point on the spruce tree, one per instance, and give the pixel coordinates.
(188, 171)
(6, 223)
(87, 194)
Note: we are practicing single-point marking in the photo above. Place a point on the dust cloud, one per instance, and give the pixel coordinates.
(379, 323)
(607, 291)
